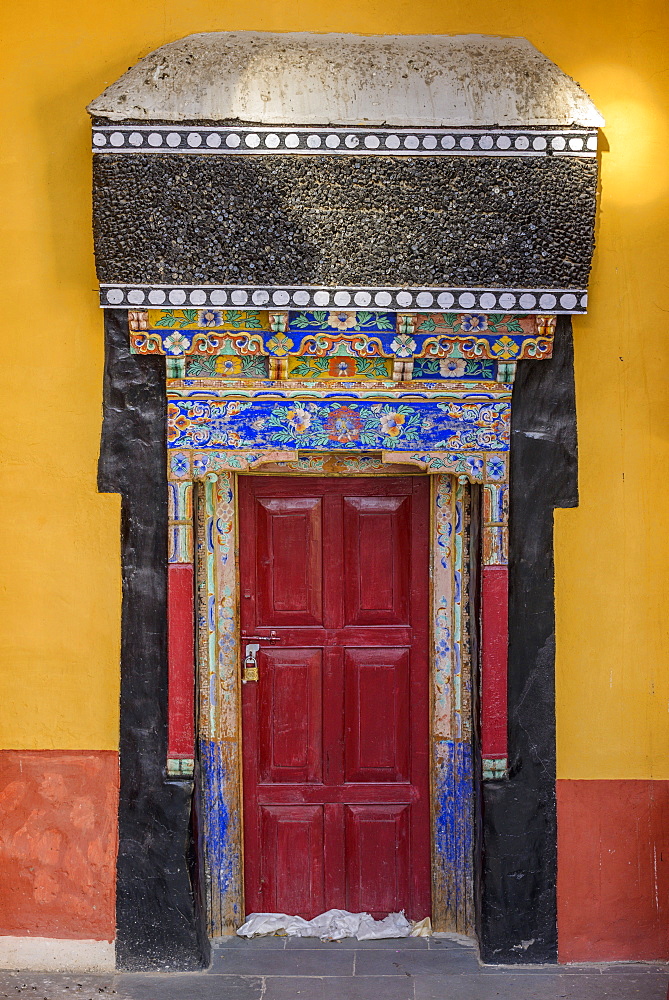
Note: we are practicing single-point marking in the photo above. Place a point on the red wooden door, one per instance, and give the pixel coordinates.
(336, 806)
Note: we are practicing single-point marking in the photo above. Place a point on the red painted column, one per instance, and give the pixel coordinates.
(181, 660)
(494, 630)
(180, 632)
(494, 656)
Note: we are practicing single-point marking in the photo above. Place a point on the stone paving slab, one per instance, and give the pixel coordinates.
(407, 969)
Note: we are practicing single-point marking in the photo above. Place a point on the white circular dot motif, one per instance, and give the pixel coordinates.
(239, 297)
(252, 140)
(486, 142)
(173, 139)
(342, 298)
(467, 300)
(272, 140)
(576, 143)
(382, 299)
(528, 301)
(539, 142)
(547, 301)
(155, 139)
(292, 140)
(522, 142)
(372, 141)
(99, 139)
(156, 296)
(232, 140)
(198, 297)
(116, 138)
(568, 301)
(411, 142)
(136, 296)
(362, 298)
(392, 142)
(430, 142)
(218, 297)
(351, 141)
(321, 298)
(448, 142)
(194, 139)
(445, 300)
(313, 141)
(488, 300)
(260, 297)
(558, 142)
(507, 300)
(404, 299)
(301, 298)
(503, 142)
(177, 296)
(466, 142)
(281, 298)
(332, 141)
(213, 140)
(114, 296)
(424, 300)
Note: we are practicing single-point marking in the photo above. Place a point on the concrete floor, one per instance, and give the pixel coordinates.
(437, 968)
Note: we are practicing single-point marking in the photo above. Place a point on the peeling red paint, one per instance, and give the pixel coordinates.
(613, 870)
(58, 843)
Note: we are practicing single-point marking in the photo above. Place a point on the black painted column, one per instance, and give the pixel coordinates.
(158, 924)
(518, 920)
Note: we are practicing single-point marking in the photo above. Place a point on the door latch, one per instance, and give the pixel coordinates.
(250, 665)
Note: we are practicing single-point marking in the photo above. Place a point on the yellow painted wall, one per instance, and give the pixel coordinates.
(59, 632)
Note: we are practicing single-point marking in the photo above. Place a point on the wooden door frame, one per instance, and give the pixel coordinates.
(213, 503)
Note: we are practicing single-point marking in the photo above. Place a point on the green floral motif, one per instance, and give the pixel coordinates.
(177, 317)
(342, 321)
(238, 319)
(327, 367)
(279, 344)
(469, 323)
(209, 366)
(432, 368)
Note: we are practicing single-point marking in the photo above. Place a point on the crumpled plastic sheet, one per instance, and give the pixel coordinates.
(334, 925)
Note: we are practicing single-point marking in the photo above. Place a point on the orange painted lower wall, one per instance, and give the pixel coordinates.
(58, 843)
(613, 870)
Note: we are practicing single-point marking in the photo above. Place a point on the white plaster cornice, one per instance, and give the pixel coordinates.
(403, 81)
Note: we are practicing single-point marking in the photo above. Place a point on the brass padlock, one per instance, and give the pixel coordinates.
(250, 665)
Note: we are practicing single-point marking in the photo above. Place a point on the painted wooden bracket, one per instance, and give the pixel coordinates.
(494, 631)
(180, 634)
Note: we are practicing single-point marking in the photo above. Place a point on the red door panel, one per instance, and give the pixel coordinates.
(377, 848)
(376, 715)
(290, 694)
(293, 861)
(377, 533)
(335, 730)
(290, 564)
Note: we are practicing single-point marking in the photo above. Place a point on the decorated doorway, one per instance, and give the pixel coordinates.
(324, 270)
(334, 635)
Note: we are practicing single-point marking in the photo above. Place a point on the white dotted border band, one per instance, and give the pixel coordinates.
(357, 141)
(484, 300)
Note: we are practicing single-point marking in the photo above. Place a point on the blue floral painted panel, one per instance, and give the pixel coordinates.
(458, 425)
(438, 368)
(340, 321)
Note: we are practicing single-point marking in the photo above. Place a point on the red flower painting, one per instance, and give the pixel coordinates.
(343, 425)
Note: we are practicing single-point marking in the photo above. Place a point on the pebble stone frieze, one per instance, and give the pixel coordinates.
(484, 300)
(254, 141)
